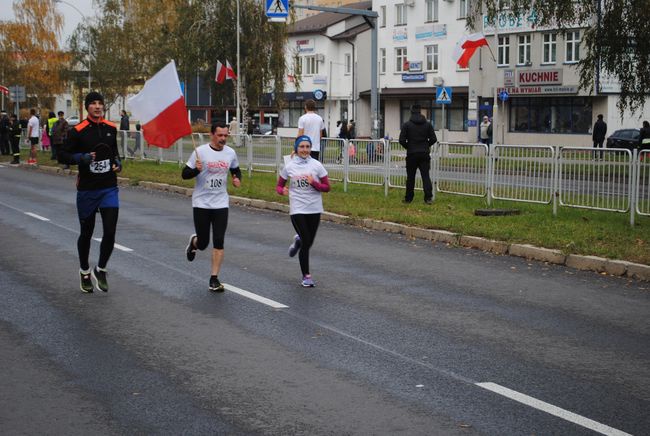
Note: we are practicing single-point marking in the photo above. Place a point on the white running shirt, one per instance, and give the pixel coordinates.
(312, 125)
(34, 124)
(210, 189)
(304, 198)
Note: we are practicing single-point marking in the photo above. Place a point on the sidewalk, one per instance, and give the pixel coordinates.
(599, 265)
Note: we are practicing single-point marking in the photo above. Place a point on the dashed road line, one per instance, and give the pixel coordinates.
(38, 217)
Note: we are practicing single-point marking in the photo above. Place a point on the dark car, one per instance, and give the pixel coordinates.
(624, 138)
(263, 129)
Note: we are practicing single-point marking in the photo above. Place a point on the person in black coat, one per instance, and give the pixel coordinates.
(644, 137)
(417, 136)
(598, 135)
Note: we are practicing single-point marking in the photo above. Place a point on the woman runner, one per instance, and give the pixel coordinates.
(308, 181)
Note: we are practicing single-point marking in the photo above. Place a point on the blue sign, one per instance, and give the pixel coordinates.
(277, 9)
(503, 95)
(414, 77)
(472, 123)
(319, 94)
(443, 95)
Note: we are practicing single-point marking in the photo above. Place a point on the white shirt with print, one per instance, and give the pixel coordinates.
(210, 190)
(304, 198)
(312, 125)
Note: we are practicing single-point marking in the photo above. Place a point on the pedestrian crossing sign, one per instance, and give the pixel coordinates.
(443, 95)
(277, 10)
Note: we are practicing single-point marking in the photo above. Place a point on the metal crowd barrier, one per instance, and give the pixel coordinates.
(643, 184)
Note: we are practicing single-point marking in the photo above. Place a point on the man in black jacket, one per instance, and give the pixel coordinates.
(598, 135)
(417, 136)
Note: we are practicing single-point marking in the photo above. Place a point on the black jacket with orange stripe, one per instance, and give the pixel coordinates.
(82, 139)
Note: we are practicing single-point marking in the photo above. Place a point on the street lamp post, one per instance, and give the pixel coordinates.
(239, 75)
(88, 28)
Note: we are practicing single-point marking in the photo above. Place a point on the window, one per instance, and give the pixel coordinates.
(550, 48)
(310, 65)
(431, 57)
(348, 63)
(524, 50)
(382, 60)
(400, 59)
(504, 50)
(382, 16)
(432, 10)
(572, 47)
(550, 115)
(400, 14)
(463, 8)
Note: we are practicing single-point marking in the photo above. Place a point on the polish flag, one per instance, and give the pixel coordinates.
(224, 73)
(466, 47)
(4, 90)
(230, 73)
(160, 108)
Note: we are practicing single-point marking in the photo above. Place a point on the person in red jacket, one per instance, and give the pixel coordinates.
(92, 145)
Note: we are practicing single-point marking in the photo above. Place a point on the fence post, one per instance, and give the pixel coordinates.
(635, 184)
(386, 146)
(278, 155)
(434, 171)
(249, 154)
(346, 164)
(489, 174)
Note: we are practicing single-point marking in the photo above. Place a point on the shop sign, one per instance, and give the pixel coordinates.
(415, 66)
(400, 34)
(540, 90)
(539, 77)
(320, 80)
(421, 77)
(305, 45)
(509, 77)
(433, 31)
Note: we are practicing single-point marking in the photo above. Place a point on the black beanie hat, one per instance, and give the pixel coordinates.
(93, 96)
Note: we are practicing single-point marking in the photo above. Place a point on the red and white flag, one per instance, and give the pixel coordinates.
(466, 47)
(230, 73)
(4, 90)
(224, 72)
(160, 108)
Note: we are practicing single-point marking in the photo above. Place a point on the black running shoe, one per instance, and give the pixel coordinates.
(190, 251)
(86, 284)
(215, 284)
(99, 279)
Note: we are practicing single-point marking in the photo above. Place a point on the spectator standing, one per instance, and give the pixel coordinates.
(4, 133)
(598, 136)
(15, 132)
(234, 126)
(417, 136)
(59, 134)
(210, 163)
(92, 145)
(311, 124)
(124, 121)
(485, 131)
(644, 137)
(51, 119)
(33, 133)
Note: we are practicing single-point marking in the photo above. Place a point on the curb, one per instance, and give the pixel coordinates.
(596, 264)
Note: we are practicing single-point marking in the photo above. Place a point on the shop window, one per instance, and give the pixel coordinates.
(550, 115)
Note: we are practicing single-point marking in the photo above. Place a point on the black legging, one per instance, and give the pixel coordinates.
(203, 219)
(306, 226)
(109, 224)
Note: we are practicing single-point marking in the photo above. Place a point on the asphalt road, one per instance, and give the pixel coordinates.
(399, 337)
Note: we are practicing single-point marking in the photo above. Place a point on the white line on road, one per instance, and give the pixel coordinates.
(553, 410)
(38, 217)
(116, 245)
(258, 298)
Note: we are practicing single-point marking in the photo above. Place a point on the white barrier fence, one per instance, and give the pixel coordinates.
(615, 180)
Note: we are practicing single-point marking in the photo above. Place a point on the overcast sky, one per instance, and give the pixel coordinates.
(70, 16)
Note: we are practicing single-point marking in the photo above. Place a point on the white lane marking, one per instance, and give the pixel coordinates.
(116, 245)
(553, 410)
(258, 298)
(38, 217)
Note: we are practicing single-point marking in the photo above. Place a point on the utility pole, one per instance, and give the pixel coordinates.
(371, 19)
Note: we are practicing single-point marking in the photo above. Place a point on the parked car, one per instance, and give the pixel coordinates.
(73, 120)
(624, 138)
(263, 129)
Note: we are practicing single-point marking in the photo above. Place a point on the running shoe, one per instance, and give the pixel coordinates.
(86, 284)
(190, 251)
(293, 248)
(99, 279)
(307, 282)
(215, 284)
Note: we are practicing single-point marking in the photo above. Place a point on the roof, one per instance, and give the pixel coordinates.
(319, 22)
